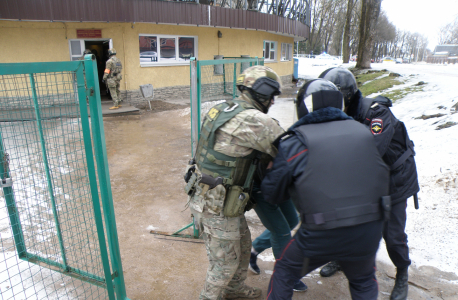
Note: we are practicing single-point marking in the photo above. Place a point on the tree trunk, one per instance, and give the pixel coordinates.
(346, 39)
(370, 10)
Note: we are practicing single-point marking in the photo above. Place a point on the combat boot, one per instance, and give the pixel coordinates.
(401, 285)
(244, 292)
(330, 269)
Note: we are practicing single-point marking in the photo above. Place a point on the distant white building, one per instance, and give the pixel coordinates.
(444, 54)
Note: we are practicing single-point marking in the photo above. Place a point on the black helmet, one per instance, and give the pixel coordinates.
(316, 94)
(111, 51)
(344, 80)
(262, 83)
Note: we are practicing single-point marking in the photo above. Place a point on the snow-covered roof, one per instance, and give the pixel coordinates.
(452, 49)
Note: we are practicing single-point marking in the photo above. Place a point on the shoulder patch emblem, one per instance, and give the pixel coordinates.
(212, 113)
(376, 126)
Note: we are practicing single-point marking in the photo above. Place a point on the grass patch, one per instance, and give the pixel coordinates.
(426, 117)
(401, 93)
(363, 78)
(379, 85)
(446, 125)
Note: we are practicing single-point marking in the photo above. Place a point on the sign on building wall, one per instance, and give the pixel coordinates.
(89, 33)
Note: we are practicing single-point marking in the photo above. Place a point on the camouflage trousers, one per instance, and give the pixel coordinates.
(113, 86)
(228, 245)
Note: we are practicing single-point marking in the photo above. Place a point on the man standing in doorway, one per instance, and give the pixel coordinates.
(112, 77)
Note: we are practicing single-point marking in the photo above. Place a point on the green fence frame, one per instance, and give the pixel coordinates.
(88, 88)
(196, 88)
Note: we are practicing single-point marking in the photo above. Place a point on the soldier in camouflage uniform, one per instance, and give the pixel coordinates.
(233, 136)
(87, 51)
(112, 77)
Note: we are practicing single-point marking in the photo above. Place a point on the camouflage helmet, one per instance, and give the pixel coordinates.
(261, 82)
(111, 52)
(87, 51)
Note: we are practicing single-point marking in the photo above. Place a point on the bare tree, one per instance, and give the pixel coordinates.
(449, 33)
(370, 10)
(346, 36)
(385, 36)
(325, 16)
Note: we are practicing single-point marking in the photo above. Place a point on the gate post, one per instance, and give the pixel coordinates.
(195, 107)
(98, 136)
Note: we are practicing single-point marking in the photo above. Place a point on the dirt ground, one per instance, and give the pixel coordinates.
(147, 154)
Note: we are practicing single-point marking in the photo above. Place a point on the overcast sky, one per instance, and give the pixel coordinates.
(422, 16)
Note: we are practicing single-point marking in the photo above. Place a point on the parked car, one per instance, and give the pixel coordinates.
(387, 59)
(148, 56)
(399, 60)
(326, 56)
(405, 61)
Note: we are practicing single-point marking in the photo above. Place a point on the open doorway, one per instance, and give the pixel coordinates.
(98, 47)
(100, 50)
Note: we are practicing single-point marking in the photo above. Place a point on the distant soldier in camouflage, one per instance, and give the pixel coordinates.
(86, 52)
(112, 77)
(233, 136)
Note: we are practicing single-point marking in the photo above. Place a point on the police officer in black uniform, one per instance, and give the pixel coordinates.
(397, 151)
(330, 166)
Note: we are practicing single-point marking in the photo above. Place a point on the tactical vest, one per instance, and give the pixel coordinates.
(345, 178)
(233, 170)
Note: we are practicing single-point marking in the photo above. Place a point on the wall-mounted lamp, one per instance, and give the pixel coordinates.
(220, 34)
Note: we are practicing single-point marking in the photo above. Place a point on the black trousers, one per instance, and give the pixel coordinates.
(395, 236)
(289, 268)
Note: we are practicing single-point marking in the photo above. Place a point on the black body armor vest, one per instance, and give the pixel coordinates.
(344, 179)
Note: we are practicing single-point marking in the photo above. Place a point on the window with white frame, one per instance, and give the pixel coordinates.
(286, 51)
(166, 49)
(269, 51)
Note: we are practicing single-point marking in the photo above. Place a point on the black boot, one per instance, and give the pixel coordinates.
(401, 284)
(330, 269)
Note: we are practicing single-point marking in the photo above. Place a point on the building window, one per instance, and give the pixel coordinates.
(269, 51)
(286, 51)
(166, 49)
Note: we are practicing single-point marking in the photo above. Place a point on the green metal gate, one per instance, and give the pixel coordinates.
(57, 223)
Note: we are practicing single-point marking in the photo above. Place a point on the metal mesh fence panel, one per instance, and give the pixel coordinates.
(214, 81)
(218, 80)
(50, 231)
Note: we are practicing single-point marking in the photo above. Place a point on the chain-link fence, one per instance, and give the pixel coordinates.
(54, 236)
